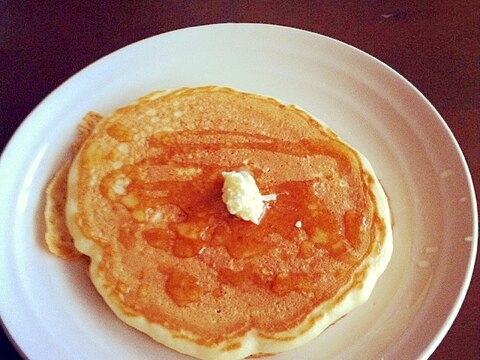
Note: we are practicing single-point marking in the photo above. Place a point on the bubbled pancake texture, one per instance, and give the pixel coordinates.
(147, 185)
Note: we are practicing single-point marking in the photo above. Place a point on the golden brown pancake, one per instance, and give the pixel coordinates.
(58, 238)
(145, 204)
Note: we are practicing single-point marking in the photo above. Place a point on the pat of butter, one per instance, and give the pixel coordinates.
(242, 196)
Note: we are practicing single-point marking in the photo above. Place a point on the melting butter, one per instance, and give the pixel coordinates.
(242, 196)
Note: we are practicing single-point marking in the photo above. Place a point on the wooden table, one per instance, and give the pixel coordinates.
(433, 43)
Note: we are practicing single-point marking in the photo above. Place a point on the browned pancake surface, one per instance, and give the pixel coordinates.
(57, 236)
(148, 192)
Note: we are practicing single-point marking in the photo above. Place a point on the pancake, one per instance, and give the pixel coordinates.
(145, 204)
(57, 236)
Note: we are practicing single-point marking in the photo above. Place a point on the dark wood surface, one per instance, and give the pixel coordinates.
(433, 43)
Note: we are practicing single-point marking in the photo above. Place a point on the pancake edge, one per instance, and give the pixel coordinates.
(353, 294)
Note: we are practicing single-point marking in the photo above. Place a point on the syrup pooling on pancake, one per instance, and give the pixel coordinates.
(173, 182)
(148, 193)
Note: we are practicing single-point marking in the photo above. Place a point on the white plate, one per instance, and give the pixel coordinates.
(52, 311)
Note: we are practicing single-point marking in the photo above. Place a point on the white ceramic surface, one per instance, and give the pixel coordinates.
(52, 311)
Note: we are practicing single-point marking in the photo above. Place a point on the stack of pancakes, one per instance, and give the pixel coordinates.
(143, 200)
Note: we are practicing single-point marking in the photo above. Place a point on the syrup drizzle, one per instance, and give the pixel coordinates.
(204, 221)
